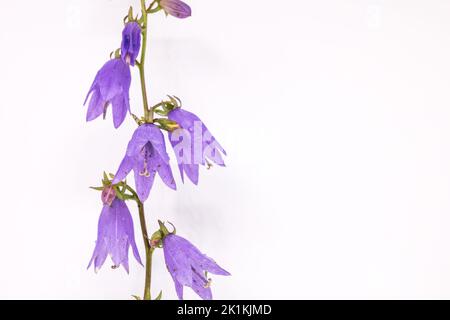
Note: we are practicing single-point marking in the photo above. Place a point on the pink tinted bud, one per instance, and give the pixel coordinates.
(108, 195)
(176, 8)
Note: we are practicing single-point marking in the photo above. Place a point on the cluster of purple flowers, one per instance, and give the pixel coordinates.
(146, 156)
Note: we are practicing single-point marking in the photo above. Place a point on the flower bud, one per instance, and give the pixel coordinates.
(108, 195)
(131, 42)
(176, 8)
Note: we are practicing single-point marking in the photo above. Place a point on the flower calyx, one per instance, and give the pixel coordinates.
(111, 191)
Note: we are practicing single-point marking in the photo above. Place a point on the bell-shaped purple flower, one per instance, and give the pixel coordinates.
(146, 154)
(176, 8)
(115, 235)
(111, 86)
(187, 265)
(193, 144)
(131, 42)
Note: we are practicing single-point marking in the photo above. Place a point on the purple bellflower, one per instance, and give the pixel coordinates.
(111, 86)
(115, 234)
(187, 265)
(146, 154)
(193, 144)
(131, 42)
(176, 8)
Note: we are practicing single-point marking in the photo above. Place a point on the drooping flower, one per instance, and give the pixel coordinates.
(146, 154)
(131, 42)
(193, 144)
(111, 86)
(115, 236)
(187, 265)
(176, 8)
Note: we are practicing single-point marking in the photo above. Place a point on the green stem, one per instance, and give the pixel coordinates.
(148, 116)
(148, 113)
(148, 248)
(148, 252)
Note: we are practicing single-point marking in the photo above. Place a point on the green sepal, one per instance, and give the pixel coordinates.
(162, 113)
(151, 10)
(176, 102)
(167, 124)
(136, 297)
(159, 297)
(130, 14)
(97, 188)
(120, 195)
(163, 229)
(106, 182)
(124, 186)
(117, 54)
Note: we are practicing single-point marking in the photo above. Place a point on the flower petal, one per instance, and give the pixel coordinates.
(120, 105)
(96, 106)
(143, 184)
(128, 229)
(114, 79)
(125, 167)
(179, 290)
(200, 287)
(176, 261)
(165, 172)
(192, 171)
(101, 245)
(201, 261)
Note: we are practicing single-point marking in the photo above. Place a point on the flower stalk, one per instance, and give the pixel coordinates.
(148, 114)
(148, 252)
(148, 248)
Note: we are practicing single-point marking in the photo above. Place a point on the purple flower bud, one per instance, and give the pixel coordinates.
(131, 42)
(115, 236)
(193, 144)
(108, 195)
(187, 266)
(111, 86)
(146, 155)
(176, 8)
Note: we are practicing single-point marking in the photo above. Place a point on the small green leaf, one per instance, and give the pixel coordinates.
(159, 297)
(136, 297)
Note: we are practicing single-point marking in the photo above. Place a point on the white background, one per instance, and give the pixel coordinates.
(335, 116)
